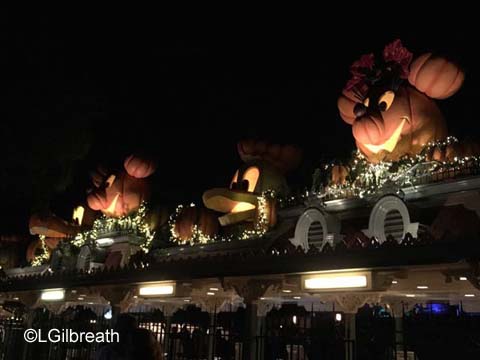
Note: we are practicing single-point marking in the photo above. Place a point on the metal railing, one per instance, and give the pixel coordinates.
(210, 337)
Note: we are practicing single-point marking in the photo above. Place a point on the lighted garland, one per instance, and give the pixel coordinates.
(44, 256)
(366, 179)
(134, 223)
(198, 237)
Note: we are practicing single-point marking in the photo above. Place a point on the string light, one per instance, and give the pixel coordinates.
(133, 224)
(44, 256)
(366, 178)
(261, 225)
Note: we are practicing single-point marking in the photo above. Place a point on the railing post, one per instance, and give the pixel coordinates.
(350, 336)
(166, 337)
(259, 339)
(212, 334)
(251, 290)
(251, 331)
(399, 340)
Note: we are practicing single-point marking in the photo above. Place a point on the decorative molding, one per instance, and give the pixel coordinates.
(376, 224)
(212, 304)
(351, 302)
(169, 309)
(118, 295)
(263, 307)
(250, 289)
(330, 228)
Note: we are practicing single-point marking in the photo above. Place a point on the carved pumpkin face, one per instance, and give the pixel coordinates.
(119, 194)
(239, 201)
(51, 226)
(390, 115)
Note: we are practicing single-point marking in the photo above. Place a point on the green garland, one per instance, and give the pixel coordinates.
(198, 237)
(365, 178)
(133, 223)
(44, 256)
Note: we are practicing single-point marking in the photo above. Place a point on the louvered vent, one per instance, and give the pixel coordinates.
(394, 225)
(315, 234)
(83, 261)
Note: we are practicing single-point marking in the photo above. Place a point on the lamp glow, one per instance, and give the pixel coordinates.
(156, 290)
(463, 278)
(78, 213)
(469, 295)
(52, 295)
(338, 317)
(336, 281)
(108, 314)
(105, 241)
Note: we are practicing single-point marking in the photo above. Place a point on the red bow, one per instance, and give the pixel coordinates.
(392, 53)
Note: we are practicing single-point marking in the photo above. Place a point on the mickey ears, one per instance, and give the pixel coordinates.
(139, 167)
(283, 157)
(435, 76)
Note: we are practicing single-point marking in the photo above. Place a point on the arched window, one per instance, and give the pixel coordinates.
(314, 227)
(390, 216)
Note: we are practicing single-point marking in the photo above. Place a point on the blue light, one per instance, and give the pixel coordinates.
(439, 308)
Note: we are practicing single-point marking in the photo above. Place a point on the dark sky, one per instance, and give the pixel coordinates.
(90, 89)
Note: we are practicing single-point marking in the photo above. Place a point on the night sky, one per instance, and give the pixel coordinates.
(79, 92)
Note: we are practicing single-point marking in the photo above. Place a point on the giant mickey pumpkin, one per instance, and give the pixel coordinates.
(119, 193)
(389, 101)
(264, 168)
(53, 228)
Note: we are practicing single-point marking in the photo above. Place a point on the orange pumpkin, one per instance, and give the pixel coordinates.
(51, 243)
(122, 193)
(205, 220)
(139, 167)
(391, 117)
(435, 76)
(452, 151)
(51, 226)
(339, 174)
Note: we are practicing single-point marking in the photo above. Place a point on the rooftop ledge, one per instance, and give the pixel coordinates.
(410, 193)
